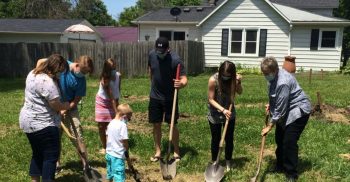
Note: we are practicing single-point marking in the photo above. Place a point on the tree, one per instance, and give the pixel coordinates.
(94, 11)
(49, 9)
(12, 8)
(344, 12)
(128, 15)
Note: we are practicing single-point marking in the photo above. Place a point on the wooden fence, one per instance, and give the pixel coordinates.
(16, 60)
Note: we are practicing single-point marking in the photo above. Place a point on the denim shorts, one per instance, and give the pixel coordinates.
(115, 168)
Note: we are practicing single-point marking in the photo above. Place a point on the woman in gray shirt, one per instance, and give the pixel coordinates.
(290, 110)
(222, 87)
(39, 117)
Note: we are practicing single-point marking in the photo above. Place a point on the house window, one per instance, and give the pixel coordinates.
(173, 35)
(328, 39)
(244, 41)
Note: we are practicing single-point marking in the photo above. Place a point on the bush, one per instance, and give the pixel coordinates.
(346, 70)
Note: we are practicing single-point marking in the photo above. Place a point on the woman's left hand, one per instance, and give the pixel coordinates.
(227, 113)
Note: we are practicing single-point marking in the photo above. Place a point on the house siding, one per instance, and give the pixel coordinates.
(326, 59)
(193, 32)
(245, 14)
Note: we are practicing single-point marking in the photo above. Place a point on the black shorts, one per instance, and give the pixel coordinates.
(157, 108)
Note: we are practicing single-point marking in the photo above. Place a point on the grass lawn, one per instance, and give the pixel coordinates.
(324, 138)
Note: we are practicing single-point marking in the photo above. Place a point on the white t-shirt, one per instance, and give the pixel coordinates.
(116, 131)
(36, 114)
(114, 85)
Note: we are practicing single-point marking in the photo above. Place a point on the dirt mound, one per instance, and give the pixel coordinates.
(333, 114)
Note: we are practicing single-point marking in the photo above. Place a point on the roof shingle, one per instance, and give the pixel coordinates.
(37, 25)
(312, 4)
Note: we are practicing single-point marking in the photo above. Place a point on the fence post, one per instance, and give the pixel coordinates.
(310, 73)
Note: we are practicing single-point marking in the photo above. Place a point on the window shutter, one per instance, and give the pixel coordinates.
(262, 44)
(314, 39)
(224, 42)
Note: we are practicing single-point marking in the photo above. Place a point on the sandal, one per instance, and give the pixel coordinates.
(155, 158)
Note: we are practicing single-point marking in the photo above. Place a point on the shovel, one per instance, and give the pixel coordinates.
(90, 174)
(168, 167)
(253, 179)
(134, 172)
(215, 172)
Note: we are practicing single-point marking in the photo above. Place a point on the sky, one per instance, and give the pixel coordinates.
(115, 7)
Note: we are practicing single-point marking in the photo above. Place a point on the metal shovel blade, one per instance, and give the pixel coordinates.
(214, 173)
(92, 175)
(168, 169)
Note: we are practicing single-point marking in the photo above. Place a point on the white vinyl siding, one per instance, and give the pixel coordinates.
(247, 14)
(326, 59)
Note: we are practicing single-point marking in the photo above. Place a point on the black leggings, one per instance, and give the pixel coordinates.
(215, 130)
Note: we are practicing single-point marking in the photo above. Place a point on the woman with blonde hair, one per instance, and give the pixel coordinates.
(39, 117)
(107, 99)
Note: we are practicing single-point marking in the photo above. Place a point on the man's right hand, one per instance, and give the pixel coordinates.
(63, 112)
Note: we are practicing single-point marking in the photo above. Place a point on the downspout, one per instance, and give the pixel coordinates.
(290, 39)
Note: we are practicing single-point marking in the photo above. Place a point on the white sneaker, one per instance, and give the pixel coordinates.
(229, 165)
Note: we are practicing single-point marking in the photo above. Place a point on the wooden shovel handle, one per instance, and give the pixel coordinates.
(225, 129)
(178, 72)
(65, 129)
(174, 105)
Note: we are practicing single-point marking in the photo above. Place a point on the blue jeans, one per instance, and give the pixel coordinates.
(115, 168)
(45, 146)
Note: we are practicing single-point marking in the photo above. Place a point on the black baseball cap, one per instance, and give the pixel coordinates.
(162, 44)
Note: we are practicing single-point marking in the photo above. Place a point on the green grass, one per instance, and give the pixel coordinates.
(320, 144)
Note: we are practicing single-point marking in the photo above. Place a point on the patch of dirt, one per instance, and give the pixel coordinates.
(8, 130)
(255, 105)
(152, 173)
(139, 122)
(333, 114)
(345, 156)
(133, 98)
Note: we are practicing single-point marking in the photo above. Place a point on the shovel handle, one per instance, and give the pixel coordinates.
(178, 72)
(225, 129)
(174, 105)
(65, 129)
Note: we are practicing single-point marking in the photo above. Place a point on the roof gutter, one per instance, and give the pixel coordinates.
(16, 32)
(335, 23)
(164, 22)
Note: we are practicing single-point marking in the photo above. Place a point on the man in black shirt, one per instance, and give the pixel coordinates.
(162, 64)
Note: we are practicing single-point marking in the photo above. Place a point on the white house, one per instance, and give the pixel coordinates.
(44, 30)
(247, 30)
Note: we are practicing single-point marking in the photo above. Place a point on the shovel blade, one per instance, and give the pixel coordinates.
(92, 175)
(214, 173)
(168, 169)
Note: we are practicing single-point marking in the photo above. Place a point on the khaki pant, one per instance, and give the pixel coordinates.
(74, 116)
